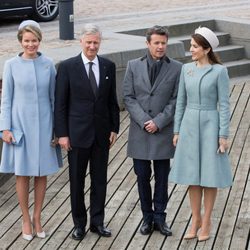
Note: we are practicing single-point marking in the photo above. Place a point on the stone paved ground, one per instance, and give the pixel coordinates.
(110, 7)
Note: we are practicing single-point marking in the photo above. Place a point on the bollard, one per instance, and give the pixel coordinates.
(66, 19)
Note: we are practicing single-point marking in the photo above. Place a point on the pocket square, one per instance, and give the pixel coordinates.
(18, 135)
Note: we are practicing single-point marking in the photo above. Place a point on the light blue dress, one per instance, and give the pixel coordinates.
(202, 116)
(27, 105)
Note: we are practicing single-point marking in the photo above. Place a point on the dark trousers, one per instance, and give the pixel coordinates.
(153, 210)
(78, 158)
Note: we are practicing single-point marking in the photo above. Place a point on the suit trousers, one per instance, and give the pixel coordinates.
(153, 210)
(78, 158)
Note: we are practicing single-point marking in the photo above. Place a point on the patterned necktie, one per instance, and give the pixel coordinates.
(92, 79)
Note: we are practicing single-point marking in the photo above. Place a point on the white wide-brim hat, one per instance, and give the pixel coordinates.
(209, 35)
(29, 23)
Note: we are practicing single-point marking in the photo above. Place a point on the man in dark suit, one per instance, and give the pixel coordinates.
(87, 123)
(150, 90)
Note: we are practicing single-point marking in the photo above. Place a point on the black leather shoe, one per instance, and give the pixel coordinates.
(78, 233)
(146, 228)
(163, 228)
(100, 230)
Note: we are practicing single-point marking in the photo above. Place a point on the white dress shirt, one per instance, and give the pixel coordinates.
(95, 67)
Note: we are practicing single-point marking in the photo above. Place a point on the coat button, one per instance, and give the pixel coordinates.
(151, 94)
(149, 110)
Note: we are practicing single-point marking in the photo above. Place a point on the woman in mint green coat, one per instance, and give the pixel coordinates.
(201, 130)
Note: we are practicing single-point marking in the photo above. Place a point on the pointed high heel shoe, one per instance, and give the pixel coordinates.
(41, 235)
(27, 237)
(190, 236)
(204, 237)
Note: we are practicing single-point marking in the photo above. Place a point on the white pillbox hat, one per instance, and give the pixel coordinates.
(208, 35)
(29, 23)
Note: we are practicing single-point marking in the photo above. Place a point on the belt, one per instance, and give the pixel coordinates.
(201, 106)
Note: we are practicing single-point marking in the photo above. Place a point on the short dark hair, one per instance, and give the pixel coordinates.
(158, 30)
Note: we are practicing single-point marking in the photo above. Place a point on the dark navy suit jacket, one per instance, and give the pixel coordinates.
(79, 114)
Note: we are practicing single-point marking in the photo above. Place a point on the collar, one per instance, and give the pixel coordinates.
(86, 60)
(164, 58)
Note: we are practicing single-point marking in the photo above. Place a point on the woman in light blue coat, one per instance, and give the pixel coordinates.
(201, 130)
(27, 109)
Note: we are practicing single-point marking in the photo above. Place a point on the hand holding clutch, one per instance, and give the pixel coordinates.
(18, 135)
(221, 150)
(223, 146)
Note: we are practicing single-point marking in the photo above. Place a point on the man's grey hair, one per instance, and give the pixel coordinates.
(90, 28)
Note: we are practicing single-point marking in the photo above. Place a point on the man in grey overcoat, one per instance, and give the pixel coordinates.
(150, 90)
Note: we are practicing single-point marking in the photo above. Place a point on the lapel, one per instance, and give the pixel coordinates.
(102, 72)
(144, 70)
(163, 72)
(82, 73)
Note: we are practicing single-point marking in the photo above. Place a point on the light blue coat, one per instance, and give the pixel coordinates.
(27, 105)
(202, 116)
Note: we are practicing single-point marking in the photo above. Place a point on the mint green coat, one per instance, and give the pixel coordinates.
(201, 118)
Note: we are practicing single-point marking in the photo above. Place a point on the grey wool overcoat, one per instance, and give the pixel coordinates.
(145, 102)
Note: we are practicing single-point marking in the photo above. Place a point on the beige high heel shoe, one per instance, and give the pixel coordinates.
(189, 235)
(205, 237)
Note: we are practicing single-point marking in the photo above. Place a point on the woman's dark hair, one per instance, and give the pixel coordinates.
(201, 41)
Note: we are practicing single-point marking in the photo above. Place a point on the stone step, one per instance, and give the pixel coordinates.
(227, 53)
(231, 53)
(240, 79)
(175, 30)
(188, 28)
(238, 68)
